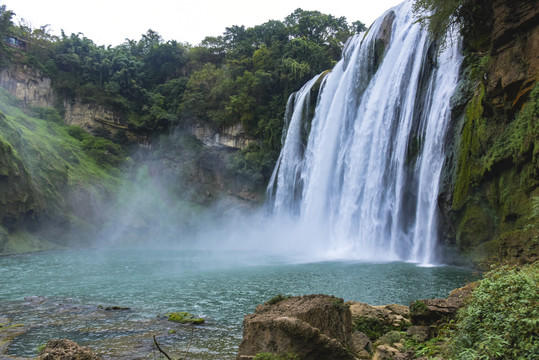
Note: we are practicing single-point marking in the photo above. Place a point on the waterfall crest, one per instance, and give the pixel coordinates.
(365, 183)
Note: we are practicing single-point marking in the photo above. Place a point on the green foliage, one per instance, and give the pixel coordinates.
(277, 298)
(253, 163)
(103, 151)
(77, 132)
(418, 307)
(242, 77)
(501, 318)
(431, 349)
(48, 114)
(392, 337)
(373, 327)
(270, 356)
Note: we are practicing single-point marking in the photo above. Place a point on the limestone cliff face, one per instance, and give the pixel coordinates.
(514, 66)
(89, 116)
(494, 204)
(28, 85)
(230, 136)
(34, 89)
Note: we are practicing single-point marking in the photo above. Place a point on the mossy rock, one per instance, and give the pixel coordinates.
(183, 317)
(474, 228)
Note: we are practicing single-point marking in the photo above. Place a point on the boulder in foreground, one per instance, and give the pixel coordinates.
(315, 327)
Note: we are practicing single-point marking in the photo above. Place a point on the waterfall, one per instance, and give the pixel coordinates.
(364, 183)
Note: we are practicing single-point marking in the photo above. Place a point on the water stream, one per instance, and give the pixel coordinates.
(365, 184)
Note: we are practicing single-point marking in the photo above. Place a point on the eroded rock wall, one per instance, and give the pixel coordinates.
(229, 136)
(90, 116)
(28, 85)
(494, 202)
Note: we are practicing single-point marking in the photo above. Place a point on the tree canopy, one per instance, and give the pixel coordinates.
(243, 76)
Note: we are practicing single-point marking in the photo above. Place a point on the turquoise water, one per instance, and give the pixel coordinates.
(59, 294)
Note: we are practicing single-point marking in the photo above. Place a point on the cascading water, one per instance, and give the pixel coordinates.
(365, 183)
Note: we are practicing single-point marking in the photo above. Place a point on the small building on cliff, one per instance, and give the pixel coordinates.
(15, 42)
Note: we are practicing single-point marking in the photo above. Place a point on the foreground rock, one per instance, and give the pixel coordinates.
(315, 327)
(370, 323)
(65, 349)
(429, 312)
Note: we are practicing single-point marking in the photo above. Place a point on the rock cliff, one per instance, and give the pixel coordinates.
(231, 136)
(28, 85)
(90, 116)
(494, 201)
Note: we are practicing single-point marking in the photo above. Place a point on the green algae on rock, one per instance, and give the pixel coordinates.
(184, 317)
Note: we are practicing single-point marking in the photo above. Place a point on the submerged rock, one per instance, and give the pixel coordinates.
(184, 318)
(8, 332)
(314, 327)
(65, 349)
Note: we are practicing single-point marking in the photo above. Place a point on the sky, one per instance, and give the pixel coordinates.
(110, 22)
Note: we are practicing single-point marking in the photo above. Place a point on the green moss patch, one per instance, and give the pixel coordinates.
(184, 318)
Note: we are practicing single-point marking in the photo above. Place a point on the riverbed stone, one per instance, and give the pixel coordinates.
(64, 349)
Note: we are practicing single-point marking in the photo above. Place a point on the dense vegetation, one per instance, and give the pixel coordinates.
(498, 321)
(243, 76)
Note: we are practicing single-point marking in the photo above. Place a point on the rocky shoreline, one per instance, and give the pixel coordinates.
(311, 327)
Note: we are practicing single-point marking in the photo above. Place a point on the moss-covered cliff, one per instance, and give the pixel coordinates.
(494, 206)
(48, 180)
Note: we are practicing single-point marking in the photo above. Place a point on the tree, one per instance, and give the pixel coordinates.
(6, 22)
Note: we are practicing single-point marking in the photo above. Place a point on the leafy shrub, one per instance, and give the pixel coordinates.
(418, 307)
(48, 114)
(501, 318)
(103, 151)
(253, 163)
(77, 132)
(392, 337)
(372, 327)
